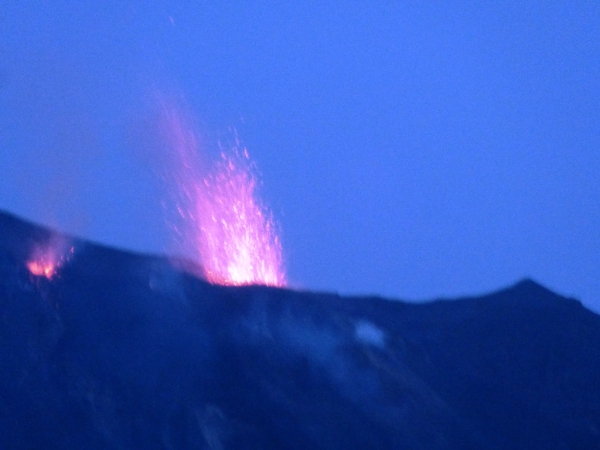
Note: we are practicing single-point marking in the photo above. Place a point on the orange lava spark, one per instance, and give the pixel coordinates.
(220, 218)
(46, 262)
(42, 268)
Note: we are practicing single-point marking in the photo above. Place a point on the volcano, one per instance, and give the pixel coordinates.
(118, 350)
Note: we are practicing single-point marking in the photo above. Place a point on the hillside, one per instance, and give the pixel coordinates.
(123, 351)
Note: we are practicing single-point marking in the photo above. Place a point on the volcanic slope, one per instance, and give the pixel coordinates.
(125, 351)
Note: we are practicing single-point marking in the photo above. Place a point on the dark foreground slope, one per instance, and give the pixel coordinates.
(120, 351)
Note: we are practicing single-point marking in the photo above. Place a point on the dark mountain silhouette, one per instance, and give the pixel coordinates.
(125, 351)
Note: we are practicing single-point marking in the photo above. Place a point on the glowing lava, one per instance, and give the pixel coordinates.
(221, 216)
(42, 268)
(238, 240)
(45, 262)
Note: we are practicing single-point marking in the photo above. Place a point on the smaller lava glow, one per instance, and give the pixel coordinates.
(45, 262)
(220, 219)
(42, 268)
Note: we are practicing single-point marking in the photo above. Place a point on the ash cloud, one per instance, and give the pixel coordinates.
(326, 347)
(369, 333)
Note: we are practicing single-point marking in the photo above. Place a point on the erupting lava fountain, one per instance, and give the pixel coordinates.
(220, 216)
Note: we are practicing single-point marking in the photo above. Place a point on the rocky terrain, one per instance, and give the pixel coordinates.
(114, 350)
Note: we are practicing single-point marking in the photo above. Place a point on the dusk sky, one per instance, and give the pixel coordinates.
(407, 149)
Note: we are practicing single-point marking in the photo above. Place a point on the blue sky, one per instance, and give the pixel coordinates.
(407, 150)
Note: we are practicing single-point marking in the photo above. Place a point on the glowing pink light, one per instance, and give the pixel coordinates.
(46, 261)
(238, 239)
(42, 268)
(221, 216)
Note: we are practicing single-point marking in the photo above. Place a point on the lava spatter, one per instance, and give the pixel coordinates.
(221, 219)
